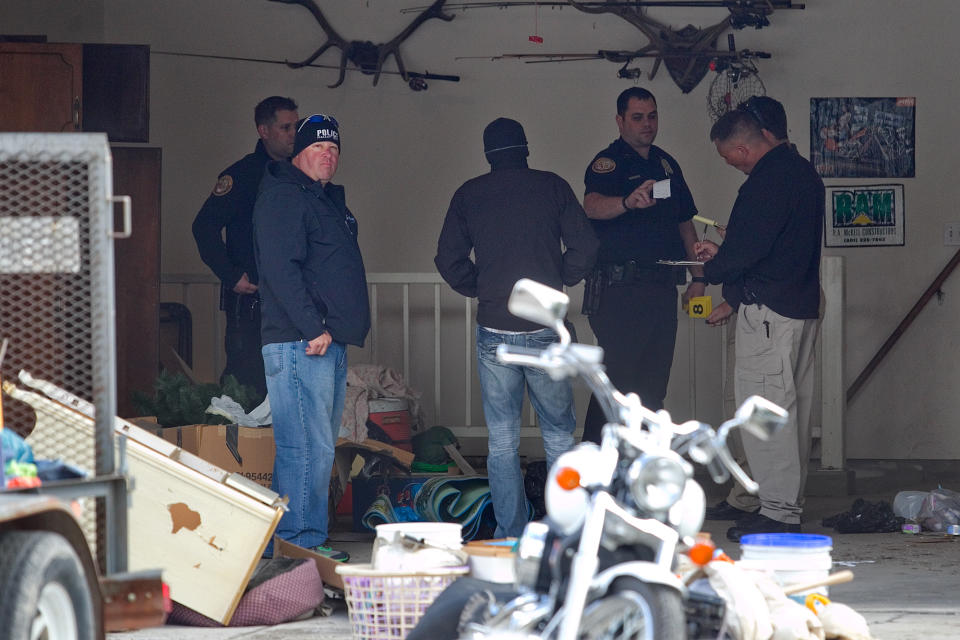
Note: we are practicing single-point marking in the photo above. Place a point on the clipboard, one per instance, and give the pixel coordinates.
(681, 263)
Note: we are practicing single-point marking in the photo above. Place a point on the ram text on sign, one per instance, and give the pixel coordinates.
(864, 216)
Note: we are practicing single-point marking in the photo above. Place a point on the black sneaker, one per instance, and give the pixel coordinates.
(725, 511)
(759, 524)
(333, 554)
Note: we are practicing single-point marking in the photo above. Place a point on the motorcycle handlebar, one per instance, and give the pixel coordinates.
(564, 361)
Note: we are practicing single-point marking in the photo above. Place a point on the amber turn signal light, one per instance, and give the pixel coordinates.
(568, 478)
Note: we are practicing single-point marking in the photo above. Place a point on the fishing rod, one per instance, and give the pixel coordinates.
(413, 75)
(726, 4)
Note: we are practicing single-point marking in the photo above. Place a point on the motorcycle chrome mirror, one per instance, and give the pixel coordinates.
(761, 417)
(539, 303)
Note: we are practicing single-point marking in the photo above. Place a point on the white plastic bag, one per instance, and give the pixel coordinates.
(906, 504)
(229, 408)
(940, 509)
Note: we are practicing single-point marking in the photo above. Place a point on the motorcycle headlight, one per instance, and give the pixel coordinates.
(531, 547)
(656, 482)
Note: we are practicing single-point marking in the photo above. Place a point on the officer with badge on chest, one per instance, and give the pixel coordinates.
(631, 300)
(230, 256)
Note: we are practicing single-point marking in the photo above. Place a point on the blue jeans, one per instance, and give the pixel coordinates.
(502, 386)
(306, 400)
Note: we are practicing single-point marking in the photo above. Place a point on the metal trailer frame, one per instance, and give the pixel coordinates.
(57, 301)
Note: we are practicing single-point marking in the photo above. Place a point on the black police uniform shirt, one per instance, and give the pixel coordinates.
(230, 206)
(644, 235)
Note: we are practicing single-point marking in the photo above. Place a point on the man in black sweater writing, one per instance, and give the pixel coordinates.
(769, 265)
(514, 219)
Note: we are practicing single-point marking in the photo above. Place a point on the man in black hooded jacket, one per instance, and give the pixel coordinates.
(514, 219)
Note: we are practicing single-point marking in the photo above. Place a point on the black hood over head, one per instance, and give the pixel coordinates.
(505, 144)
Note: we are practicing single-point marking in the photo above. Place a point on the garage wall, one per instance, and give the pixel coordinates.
(405, 152)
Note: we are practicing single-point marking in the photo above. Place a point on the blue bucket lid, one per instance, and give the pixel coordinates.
(795, 540)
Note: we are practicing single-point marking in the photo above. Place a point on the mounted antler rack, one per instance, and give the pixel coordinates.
(367, 56)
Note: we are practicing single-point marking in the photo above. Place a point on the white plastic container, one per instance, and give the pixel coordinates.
(396, 547)
(792, 558)
(492, 560)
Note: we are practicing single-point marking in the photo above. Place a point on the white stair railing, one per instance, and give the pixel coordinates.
(427, 305)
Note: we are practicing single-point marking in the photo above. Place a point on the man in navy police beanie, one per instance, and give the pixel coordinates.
(315, 303)
(316, 128)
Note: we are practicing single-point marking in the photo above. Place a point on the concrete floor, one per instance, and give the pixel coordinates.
(907, 586)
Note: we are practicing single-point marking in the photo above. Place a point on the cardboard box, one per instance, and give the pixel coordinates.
(244, 450)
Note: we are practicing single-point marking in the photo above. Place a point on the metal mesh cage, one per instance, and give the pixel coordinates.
(56, 279)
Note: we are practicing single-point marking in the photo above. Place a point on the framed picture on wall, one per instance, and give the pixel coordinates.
(864, 216)
(863, 137)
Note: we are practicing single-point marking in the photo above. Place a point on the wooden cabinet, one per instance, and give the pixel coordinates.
(51, 87)
(136, 173)
(76, 87)
(116, 91)
(40, 86)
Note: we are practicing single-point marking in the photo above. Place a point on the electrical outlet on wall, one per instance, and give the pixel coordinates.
(951, 233)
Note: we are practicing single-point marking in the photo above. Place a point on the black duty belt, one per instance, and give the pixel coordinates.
(634, 271)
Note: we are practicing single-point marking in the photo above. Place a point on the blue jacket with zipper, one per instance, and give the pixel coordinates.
(311, 273)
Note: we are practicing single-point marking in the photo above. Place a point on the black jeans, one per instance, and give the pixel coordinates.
(636, 325)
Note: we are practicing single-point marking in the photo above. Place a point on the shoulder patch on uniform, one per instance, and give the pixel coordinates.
(666, 166)
(603, 165)
(223, 186)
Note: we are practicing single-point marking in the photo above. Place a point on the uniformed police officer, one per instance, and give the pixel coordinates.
(632, 300)
(230, 207)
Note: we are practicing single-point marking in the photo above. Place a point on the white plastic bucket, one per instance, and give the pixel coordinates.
(395, 550)
(792, 558)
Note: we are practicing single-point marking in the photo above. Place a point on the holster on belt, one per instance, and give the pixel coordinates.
(239, 305)
(594, 287)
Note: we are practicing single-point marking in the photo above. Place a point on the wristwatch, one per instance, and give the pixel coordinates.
(699, 279)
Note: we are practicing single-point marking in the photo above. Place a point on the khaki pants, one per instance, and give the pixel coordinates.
(775, 359)
(738, 496)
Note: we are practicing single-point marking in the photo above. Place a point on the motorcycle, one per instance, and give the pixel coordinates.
(602, 564)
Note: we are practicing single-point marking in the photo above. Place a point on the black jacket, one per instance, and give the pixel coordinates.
(513, 219)
(311, 273)
(772, 251)
(230, 206)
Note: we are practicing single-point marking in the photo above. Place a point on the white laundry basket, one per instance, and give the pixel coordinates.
(386, 605)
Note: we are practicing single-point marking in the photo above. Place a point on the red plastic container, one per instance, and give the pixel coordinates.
(393, 416)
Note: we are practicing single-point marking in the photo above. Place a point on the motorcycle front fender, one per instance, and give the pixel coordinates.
(640, 569)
